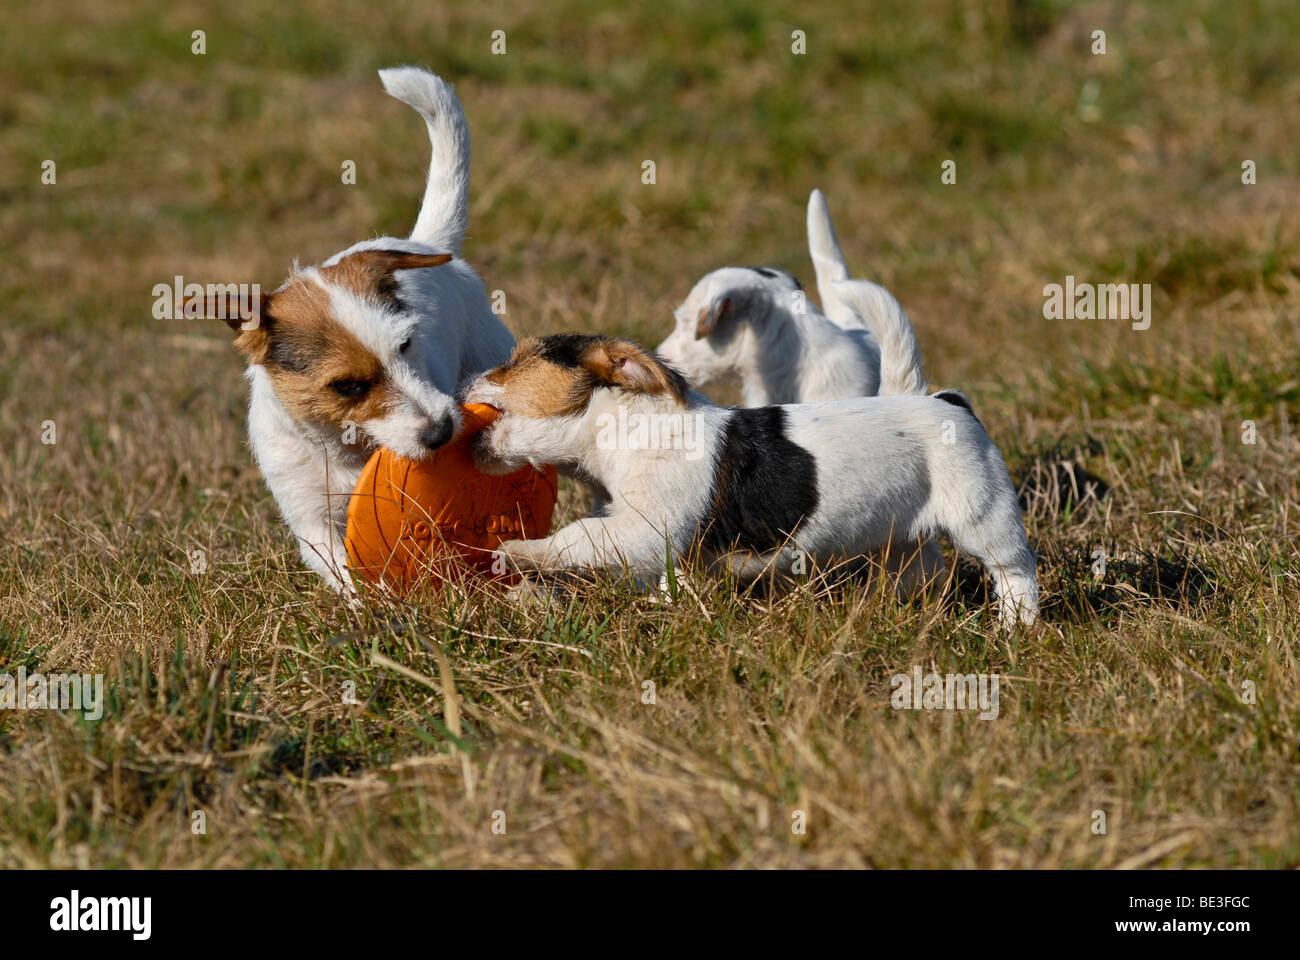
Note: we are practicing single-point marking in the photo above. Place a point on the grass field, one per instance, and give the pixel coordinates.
(1162, 692)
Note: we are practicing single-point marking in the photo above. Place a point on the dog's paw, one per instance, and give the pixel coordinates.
(492, 448)
(528, 593)
(523, 556)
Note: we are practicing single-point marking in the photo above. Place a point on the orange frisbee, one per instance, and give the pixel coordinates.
(412, 519)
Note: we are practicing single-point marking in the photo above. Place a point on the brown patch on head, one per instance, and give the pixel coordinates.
(556, 375)
(320, 371)
(542, 383)
(369, 273)
(628, 366)
(283, 335)
(254, 342)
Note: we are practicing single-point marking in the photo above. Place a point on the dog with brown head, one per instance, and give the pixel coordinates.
(368, 348)
(554, 391)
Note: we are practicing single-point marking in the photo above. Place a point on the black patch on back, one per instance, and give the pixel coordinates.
(957, 400)
(764, 487)
(772, 273)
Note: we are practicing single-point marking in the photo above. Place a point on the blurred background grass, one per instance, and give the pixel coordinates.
(1124, 167)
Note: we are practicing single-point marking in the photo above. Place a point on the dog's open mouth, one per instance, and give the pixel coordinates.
(483, 419)
(485, 460)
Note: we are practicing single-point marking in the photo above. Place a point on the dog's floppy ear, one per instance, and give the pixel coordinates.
(240, 309)
(386, 261)
(370, 272)
(623, 364)
(712, 315)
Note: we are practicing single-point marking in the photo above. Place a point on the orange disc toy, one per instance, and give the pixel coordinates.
(411, 519)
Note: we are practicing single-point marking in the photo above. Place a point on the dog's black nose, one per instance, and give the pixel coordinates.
(436, 433)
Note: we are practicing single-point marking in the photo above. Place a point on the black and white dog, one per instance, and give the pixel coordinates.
(752, 488)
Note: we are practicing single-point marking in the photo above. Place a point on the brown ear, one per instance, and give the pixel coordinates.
(710, 317)
(623, 364)
(370, 272)
(387, 261)
(241, 311)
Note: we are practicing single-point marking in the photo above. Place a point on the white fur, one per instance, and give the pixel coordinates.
(900, 355)
(828, 262)
(889, 469)
(857, 304)
(453, 332)
(782, 347)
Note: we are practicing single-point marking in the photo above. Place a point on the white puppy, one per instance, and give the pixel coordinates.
(368, 348)
(757, 323)
(753, 488)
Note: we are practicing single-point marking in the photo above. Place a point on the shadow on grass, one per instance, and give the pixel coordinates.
(1137, 579)
(1055, 482)
(1054, 486)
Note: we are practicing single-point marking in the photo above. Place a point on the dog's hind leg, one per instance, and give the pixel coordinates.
(917, 567)
(980, 514)
(1016, 589)
(999, 542)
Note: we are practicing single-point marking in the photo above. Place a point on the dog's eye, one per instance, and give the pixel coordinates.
(352, 389)
(405, 343)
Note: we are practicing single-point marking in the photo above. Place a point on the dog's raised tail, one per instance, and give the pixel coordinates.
(828, 261)
(900, 354)
(444, 211)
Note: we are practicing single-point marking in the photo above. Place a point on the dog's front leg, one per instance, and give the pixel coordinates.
(582, 545)
(591, 544)
(323, 550)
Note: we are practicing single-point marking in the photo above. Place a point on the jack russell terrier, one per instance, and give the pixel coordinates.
(368, 348)
(757, 323)
(832, 480)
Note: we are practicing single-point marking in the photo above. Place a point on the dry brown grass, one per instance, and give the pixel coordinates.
(1127, 700)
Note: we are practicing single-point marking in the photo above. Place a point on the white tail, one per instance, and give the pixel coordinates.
(858, 304)
(444, 212)
(900, 354)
